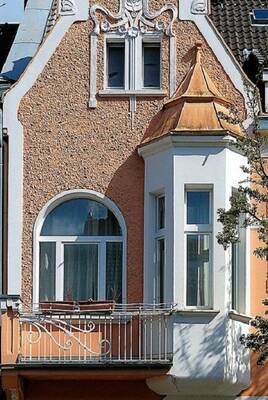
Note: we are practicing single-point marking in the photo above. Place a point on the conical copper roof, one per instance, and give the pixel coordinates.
(197, 107)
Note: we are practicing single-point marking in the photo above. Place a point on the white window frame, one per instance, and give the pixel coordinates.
(61, 240)
(115, 38)
(199, 229)
(151, 39)
(160, 234)
(133, 63)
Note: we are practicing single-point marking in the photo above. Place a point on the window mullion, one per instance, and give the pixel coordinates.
(59, 271)
(102, 271)
(127, 64)
(132, 63)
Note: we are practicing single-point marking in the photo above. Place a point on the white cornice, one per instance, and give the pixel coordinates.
(170, 141)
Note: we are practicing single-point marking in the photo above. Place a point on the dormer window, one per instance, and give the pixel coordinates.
(259, 16)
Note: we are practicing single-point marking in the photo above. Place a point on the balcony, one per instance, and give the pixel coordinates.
(90, 335)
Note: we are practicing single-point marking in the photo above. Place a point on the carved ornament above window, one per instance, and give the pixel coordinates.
(199, 7)
(133, 17)
(67, 7)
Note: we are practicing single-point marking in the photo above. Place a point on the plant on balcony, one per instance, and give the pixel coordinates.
(251, 200)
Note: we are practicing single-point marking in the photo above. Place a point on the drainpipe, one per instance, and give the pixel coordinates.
(1, 198)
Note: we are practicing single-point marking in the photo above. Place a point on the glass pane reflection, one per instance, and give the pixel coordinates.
(198, 207)
(198, 270)
(114, 253)
(151, 55)
(81, 217)
(116, 65)
(47, 271)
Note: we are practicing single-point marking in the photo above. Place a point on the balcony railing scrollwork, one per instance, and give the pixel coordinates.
(138, 334)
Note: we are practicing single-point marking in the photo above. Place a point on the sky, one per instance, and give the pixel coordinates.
(11, 11)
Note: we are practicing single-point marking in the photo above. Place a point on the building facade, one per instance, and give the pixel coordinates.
(120, 156)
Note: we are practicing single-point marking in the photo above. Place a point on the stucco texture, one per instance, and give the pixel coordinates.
(69, 146)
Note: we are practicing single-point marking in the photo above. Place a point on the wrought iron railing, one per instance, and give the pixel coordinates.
(95, 334)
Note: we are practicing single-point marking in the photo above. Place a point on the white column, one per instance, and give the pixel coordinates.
(93, 71)
(172, 65)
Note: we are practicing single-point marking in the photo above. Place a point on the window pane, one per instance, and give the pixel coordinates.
(234, 275)
(116, 65)
(151, 65)
(160, 273)
(114, 253)
(198, 270)
(80, 272)
(81, 217)
(161, 212)
(47, 271)
(198, 208)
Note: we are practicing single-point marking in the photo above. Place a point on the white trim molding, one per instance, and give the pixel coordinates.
(14, 128)
(133, 20)
(252, 398)
(56, 201)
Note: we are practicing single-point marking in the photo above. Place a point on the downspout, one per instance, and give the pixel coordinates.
(1, 197)
(4, 210)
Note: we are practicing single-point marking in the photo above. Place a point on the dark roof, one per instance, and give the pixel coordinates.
(232, 18)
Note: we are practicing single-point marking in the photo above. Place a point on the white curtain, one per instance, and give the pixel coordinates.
(80, 272)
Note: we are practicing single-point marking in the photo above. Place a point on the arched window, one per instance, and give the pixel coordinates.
(80, 252)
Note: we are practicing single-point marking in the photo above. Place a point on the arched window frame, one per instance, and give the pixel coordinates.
(56, 201)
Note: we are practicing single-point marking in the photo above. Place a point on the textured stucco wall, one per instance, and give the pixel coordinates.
(68, 146)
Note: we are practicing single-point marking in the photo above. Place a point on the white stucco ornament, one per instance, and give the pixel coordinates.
(199, 7)
(67, 7)
(133, 17)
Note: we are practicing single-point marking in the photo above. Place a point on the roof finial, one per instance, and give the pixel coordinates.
(198, 47)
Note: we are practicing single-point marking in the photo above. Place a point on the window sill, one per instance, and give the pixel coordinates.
(197, 313)
(127, 93)
(236, 316)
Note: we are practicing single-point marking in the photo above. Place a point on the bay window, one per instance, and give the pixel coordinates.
(198, 237)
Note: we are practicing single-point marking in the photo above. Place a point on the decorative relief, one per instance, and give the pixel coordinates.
(133, 17)
(199, 7)
(41, 325)
(67, 7)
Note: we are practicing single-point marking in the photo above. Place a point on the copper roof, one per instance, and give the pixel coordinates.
(197, 107)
